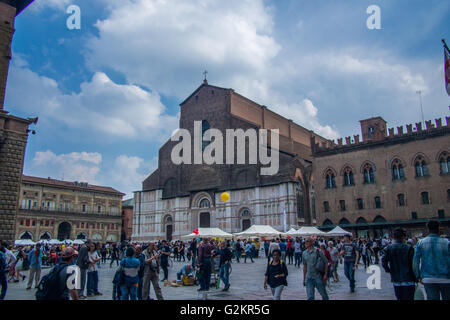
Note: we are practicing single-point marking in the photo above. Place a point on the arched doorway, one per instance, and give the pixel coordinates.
(64, 230)
(82, 236)
(205, 220)
(246, 219)
(26, 235)
(168, 223)
(45, 236)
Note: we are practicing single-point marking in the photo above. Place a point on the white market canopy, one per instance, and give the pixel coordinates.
(259, 231)
(337, 232)
(208, 233)
(54, 241)
(308, 231)
(291, 231)
(78, 241)
(24, 242)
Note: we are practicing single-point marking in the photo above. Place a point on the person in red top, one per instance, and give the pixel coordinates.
(290, 251)
(327, 255)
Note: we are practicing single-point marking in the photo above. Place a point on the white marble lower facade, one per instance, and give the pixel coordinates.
(156, 218)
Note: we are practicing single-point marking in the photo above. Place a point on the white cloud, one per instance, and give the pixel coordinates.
(54, 4)
(162, 43)
(74, 166)
(128, 172)
(126, 111)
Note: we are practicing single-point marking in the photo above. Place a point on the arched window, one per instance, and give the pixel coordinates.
(245, 213)
(398, 173)
(330, 179)
(444, 163)
(379, 219)
(169, 219)
(369, 175)
(421, 167)
(401, 200)
(205, 127)
(425, 197)
(327, 222)
(348, 177)
(204, 203)
(344, 221)
(361, 220)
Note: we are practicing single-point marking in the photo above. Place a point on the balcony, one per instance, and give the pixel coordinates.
(50, 212)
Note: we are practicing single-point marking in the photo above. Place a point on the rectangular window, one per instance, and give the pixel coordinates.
(29, 204)
(99, 209)
(441, 214)
(360, 204)
(414, 215)
(342, 205)
(377, 202)
(326, 206)
(83, 208)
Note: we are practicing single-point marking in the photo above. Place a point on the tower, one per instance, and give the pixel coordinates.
(373, 129)
(13, 130)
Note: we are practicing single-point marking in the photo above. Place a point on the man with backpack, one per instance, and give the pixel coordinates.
(54, 285)
(315, 270)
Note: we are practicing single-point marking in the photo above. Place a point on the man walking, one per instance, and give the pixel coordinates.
(141, 257)
(151, 273)
(165, 253)
(312, 278)
(297, 252)
(351, 259)
(431, 263)
(225, 260)
(398, 262)
(3, 267)
(248, 252)
(83, 264)
(204, 263)
(35, 259)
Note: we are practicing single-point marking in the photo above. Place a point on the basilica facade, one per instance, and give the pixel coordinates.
(178, 198)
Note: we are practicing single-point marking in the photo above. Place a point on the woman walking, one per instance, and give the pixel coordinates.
(276, 275)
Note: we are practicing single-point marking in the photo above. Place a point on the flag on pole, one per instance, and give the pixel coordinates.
(447, 67)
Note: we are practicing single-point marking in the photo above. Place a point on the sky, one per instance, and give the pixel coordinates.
(107, 95)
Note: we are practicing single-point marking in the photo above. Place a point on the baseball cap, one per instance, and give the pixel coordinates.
(69, 252)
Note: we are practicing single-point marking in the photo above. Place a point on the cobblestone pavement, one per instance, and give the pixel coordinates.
(246, 284)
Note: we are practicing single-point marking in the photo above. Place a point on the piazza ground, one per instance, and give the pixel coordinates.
(246, 284)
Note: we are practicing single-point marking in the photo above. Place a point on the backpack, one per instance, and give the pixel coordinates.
(319, 265)
(49, 287)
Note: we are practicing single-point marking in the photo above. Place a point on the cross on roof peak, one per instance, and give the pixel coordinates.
(204, 80)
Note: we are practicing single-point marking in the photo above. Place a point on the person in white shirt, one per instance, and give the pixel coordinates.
(92, 273)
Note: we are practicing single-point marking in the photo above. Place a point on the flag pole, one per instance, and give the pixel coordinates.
(445, 45)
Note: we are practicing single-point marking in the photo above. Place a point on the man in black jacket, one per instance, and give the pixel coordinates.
(83, 264)
(398, 261)
(225, 259)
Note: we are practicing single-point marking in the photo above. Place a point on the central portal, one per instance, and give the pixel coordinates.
(205, 220)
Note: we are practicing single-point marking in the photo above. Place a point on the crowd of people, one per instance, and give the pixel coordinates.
(137, 265)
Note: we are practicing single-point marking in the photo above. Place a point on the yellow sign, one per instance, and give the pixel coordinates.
(225, 197)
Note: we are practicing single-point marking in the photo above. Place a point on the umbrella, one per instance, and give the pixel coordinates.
(259, 231)
(337, 232)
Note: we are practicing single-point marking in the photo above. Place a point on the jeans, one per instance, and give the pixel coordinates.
(129, 291)
(248, 254)
(350, 272)
(224, 274)
(83, 274)
(434, 290)
(276, 292)
(298, 258)
(113, 258)
(4, 285)
(92, 282)
(238, 255)
(206, 270)
(164, 266)
(312, 284)
(404, 292)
